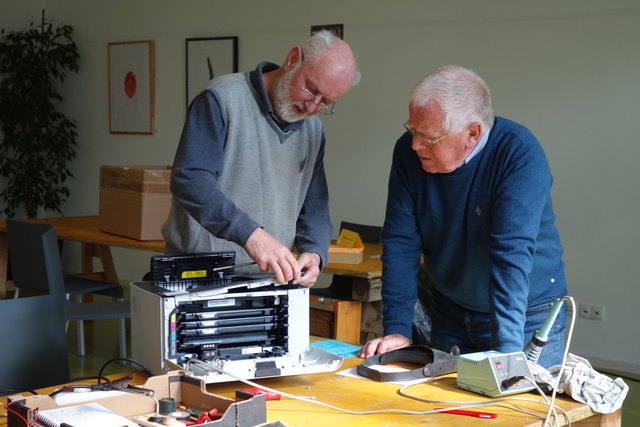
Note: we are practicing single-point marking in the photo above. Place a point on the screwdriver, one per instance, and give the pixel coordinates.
(227, 267)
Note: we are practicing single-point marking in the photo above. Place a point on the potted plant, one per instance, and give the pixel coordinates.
(36, 139)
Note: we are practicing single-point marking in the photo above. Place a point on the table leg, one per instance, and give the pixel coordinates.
(103, 252)
(342, 316)
(347, 321)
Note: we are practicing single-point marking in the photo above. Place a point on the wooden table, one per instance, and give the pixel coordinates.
(369, 268)
(94, 244)
(362, 395)
(366, 276)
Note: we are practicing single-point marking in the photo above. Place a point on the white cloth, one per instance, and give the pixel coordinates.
(584, 384)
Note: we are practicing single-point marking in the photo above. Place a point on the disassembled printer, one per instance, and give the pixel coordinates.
(201, 314)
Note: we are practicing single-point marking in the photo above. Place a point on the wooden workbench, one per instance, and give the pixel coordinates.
(357, 394)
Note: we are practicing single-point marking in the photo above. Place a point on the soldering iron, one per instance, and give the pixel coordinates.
(540, 337)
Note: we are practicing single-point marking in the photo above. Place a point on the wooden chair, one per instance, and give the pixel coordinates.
(36, 265)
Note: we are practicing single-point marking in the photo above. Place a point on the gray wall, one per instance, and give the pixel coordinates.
(567, 70)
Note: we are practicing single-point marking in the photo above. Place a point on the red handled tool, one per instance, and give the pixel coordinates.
(470, 413)
(208, 416)
(269, 394)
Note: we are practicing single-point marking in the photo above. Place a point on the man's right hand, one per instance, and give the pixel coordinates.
(383, 345)
(268, 253)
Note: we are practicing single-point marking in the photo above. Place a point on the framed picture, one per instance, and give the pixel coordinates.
(131, 87)
(209, 57)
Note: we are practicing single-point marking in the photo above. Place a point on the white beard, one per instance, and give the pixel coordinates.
(282, 103)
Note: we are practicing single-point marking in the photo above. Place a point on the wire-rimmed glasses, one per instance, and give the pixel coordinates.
(425, 140)
(321, 107)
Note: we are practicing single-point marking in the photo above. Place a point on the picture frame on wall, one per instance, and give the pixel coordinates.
(131, 87)
(209, 57)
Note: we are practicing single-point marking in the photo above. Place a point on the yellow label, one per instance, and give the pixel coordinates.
(192, 274)
(349, 239)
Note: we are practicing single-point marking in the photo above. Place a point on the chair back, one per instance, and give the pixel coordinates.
(35, 353)
(35, 257)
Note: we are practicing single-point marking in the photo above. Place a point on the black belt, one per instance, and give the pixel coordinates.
(432, 362)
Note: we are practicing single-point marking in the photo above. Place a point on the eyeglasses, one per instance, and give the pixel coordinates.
(321, 107)
(426, 141)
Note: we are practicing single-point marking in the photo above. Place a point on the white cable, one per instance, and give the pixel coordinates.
(548, 402)
(493, 402)
(564, 357)
(462, 405)
(316, 402)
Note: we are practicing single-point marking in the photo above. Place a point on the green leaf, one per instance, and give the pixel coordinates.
(37, 140)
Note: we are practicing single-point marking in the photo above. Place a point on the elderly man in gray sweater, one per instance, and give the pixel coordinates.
(248, 174)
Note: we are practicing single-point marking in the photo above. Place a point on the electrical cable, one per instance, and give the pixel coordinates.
(26, 422)
(312, 400)
(564, 356)
(95, 387)
(550, 402)
(493, 402)
(401, 391)
(91, 377)
(463, 405)
(125, 359)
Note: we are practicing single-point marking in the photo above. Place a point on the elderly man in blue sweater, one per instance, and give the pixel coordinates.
(471, 193)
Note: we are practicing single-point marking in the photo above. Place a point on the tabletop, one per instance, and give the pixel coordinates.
(356, 394)
(86, 229)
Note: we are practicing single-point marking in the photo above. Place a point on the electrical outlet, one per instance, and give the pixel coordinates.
(584, 311)
(597, 312)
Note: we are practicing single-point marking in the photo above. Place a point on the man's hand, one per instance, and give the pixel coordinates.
(382, 345)
(269, 253)
(309, 262)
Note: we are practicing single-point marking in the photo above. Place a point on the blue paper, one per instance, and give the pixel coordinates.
(338, 348)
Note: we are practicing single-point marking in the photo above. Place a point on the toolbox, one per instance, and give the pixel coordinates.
(140, 404)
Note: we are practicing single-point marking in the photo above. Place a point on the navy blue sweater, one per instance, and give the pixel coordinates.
(486, 231)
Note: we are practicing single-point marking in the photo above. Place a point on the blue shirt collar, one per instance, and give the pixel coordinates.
(255, 77)
(479, 146)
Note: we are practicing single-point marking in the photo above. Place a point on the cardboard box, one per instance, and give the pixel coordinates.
(341, 255)
(187, 392)
(134, 200)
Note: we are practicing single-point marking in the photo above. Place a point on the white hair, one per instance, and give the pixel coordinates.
(322, 41)
(461, 94)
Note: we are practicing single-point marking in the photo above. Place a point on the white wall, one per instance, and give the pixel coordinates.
(567, 70)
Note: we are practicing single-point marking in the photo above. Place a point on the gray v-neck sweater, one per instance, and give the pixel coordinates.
(264, 181)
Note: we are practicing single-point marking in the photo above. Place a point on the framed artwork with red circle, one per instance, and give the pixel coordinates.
(131, 87)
